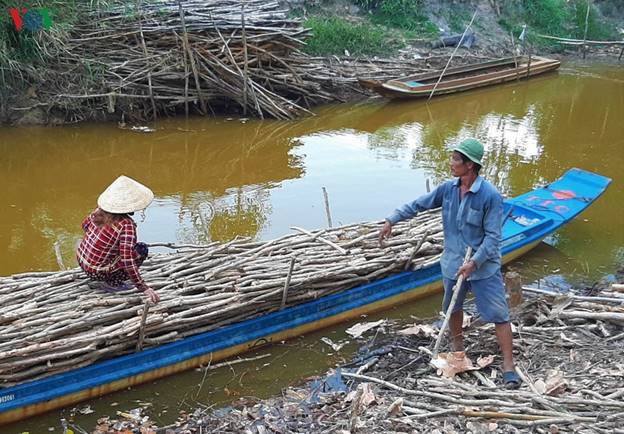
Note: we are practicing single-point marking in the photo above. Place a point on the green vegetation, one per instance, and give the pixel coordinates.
(401, 14)
(385, 26)
(458, 19)
(562, 18)
(335, 35)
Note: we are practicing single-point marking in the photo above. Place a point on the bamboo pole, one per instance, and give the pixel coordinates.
(452, 54)
(451, 306)
(327, 211)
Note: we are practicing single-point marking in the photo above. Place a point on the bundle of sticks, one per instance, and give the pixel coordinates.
(568, 355)
(568, 351)
(56, 321)
(150, 59)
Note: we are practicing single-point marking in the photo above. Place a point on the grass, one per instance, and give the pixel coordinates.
(407, 15)
(458, 19)
(384, 29)
(562, 18)
(332, 35)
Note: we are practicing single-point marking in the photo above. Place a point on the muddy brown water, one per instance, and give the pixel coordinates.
(218, 178)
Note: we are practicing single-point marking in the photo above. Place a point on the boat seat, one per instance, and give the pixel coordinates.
(414, 83)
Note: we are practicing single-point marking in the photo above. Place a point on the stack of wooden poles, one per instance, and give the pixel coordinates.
(56, 321)
(144, 60)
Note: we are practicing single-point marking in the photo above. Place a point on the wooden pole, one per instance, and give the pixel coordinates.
(149, 73)
(528, 74)
(452, 54)
(187, 47)
(451, 305)
(246, 60)
(287, 282)
(146, 306)
(513, 48)
(416, 249)
(586, 25)
(329, 219)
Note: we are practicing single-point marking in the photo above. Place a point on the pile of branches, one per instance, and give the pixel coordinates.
(163, 57)
(144, 60)
(568, 352)
(54, 322)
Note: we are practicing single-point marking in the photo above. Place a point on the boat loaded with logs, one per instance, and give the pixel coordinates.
(65, 341)
(462, 78)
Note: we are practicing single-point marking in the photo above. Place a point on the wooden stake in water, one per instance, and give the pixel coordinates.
(451, 305)
(329, 219)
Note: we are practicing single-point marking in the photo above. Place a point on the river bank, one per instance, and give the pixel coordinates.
(566, 350)
(136, 64)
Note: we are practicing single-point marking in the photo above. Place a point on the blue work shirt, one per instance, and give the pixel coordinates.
(474, 221)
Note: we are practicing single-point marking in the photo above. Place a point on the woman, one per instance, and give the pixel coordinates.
(109, 251)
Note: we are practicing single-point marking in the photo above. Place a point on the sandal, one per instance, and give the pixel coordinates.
(511, 380)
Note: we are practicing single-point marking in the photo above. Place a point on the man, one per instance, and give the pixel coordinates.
(471, 216)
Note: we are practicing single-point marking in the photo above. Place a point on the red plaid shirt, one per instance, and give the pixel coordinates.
(110, 248)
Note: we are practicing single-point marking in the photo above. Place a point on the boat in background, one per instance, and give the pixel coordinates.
(529, 219)
(462, 78)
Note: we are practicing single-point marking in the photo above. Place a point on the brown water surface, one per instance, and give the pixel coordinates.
(218, 178)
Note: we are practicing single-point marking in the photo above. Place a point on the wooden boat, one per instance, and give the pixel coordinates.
(529, 219)
(463, 78)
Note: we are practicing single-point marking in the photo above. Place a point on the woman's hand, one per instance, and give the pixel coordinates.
(98, 217)
(152, 295)
(385, 232)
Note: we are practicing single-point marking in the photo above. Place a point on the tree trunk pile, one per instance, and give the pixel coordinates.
(53, 322)
(144, 60)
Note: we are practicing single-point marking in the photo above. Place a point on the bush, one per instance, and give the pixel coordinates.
(401, 14)
(562, 18)
(335, 35)
(597, 28)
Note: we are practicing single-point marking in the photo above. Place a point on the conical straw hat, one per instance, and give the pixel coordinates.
(125, 195)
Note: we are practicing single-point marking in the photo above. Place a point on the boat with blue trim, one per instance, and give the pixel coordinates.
(529, 218)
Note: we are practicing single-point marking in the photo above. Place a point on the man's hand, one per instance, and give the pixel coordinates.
(385, 232)
(152, 295)
(467, 269)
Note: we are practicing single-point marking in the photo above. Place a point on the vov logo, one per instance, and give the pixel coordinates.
(31, 19)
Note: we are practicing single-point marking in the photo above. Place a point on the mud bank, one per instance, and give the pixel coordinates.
(567, 349)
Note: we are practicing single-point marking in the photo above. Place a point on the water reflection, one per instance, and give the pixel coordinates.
(51, 178)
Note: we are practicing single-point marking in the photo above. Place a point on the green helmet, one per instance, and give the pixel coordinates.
(471, 148)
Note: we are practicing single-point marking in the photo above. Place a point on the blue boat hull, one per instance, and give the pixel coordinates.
(530, 218)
